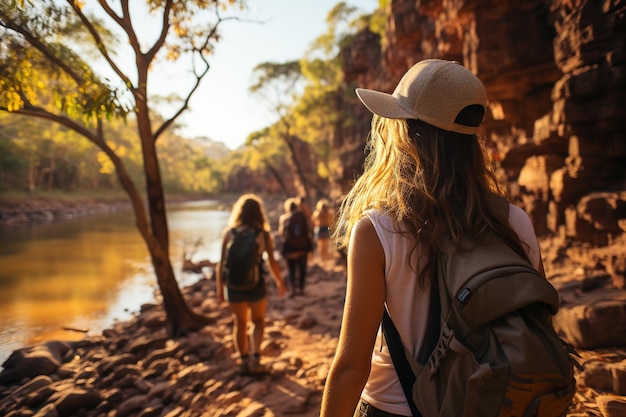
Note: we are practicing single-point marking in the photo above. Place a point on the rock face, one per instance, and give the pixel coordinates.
(555, 75)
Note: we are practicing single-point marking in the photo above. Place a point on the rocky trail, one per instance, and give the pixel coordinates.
(132, 369)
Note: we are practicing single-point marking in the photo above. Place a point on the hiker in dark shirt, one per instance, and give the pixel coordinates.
(293, 227)
(425, 184)
(248, 213)
(304, 207)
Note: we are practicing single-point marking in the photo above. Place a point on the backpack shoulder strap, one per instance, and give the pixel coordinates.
(400, 360)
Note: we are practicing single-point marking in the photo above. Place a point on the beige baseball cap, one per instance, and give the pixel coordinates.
(433, 91)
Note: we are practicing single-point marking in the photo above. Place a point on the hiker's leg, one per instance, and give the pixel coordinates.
(323, 248)
(240, 333)
(291, 266)
(302, 263)
(258, 321)
(257, 310)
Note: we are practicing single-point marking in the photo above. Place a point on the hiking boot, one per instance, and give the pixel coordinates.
(256, 368)
(244, 366)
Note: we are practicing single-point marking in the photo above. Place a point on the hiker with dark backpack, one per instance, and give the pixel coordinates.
(293, 227)
(450, 268)
(240, 276)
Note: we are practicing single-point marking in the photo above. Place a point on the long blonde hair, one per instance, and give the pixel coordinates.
(433, 182)
(249, 211)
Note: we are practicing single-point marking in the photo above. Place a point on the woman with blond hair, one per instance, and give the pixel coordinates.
(426, 184)
(248, 215)
(322, 220)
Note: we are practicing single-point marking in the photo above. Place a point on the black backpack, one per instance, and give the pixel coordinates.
(296, 233)
(490, 349)
(241, 269)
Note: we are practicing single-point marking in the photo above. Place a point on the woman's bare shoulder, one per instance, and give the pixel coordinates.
(365, 239)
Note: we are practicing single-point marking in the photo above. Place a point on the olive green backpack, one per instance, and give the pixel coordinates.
(490, 348)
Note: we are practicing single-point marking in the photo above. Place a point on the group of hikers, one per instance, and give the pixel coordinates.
(247, 245)
(428, 192)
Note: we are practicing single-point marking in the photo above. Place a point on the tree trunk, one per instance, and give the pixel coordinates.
(278, 177)
(180, 318)
(294, 159)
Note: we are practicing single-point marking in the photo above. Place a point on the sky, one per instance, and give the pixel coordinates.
(222, 109)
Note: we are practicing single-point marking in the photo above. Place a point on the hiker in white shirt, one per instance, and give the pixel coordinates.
(425, 183)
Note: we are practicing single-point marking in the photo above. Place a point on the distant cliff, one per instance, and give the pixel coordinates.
(556, 80)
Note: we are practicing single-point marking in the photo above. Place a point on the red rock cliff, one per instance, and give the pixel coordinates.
(556, 81)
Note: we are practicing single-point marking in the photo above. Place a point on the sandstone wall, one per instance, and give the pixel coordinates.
(556, 80)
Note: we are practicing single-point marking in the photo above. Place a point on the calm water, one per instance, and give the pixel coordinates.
(88, 272)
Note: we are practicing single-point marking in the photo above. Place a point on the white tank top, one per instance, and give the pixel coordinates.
(408, 306)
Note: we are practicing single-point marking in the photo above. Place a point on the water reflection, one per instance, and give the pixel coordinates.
(87, 272)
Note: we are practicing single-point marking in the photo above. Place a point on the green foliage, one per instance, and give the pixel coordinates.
(29, 146)
(268, 72)
(378, 20)
(186, 168)
(38, 155)
(278, 84)
(33, 60)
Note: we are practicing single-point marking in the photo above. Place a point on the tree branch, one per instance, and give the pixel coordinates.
(139, 208)
(98, 40)
(199, 76)
(43, 48)
(166, 124)
(31, 110)
(164, 30)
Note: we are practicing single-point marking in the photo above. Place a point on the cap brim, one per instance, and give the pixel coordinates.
(383, 104)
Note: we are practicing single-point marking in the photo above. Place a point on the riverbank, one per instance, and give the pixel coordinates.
(42, 210)
(132, 369)
(21, 209)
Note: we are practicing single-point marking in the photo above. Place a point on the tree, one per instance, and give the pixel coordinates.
(261, 150)
(35, 53)
(278, 84)
(311, 99)
(324, 110)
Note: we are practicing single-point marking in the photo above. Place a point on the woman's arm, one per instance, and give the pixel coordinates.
(315, 219)
(274, 267)
(363, 311)
(219, 288)
(281, 224)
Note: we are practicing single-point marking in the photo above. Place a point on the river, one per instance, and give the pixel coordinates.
(86, 273)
